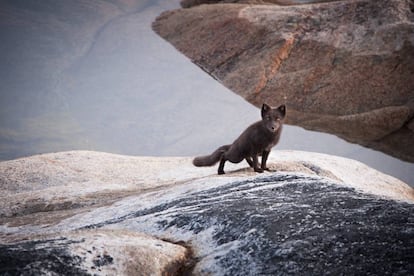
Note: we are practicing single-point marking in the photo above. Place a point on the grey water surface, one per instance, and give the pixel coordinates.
(92, 75)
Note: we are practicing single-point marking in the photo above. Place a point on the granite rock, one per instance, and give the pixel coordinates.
(343, 67)
(93, 252)
(312, 213)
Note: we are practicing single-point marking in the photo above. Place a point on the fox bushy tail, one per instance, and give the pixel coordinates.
(210, 160)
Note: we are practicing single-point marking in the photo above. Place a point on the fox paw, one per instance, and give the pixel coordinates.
(259, 170)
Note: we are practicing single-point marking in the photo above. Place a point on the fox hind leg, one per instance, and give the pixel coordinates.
(221, 166)
(250, 161)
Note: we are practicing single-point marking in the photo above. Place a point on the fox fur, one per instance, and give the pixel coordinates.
(258, 139)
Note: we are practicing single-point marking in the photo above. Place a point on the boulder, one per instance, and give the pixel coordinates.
(343, 67)
(93, 252)
(191, 3)
(311, 214)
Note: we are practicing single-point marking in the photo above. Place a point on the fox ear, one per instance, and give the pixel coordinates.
(265, 109)
(282, 110)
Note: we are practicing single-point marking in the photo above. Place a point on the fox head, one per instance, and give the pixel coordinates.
(273, 117)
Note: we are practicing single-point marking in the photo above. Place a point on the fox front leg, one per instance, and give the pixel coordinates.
(265, 155)
(256, 164)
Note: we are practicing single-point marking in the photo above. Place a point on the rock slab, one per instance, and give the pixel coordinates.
(93, 252)
(284, 224)
(312, 214)
(343, 67)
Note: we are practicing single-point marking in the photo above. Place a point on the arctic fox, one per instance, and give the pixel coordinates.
(257, 139)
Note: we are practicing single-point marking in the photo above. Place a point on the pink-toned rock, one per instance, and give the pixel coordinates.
(191, 3)
(344, 67)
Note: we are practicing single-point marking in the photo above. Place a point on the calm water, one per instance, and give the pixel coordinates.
(125, 90)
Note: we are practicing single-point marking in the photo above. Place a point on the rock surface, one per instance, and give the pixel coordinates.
(96, 213)
(191, 3)
(344, 67)
(102, 252)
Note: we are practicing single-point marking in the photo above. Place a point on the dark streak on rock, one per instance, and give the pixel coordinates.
(282, 224)
(40, 257)
(102, 260)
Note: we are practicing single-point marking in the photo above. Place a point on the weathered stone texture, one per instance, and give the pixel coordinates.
(312, 214)
(345, 67)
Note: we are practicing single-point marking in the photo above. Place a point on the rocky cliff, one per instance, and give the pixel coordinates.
(89, 213)
(343, 67)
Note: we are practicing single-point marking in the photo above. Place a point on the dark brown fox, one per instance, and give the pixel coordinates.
(257, 139)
